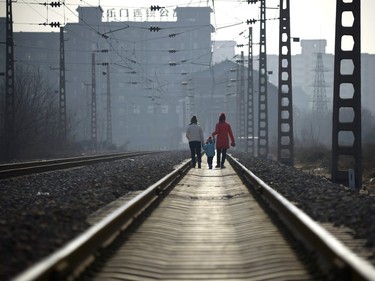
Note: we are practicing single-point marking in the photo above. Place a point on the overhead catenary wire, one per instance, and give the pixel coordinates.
(123, 54)
(129, 26)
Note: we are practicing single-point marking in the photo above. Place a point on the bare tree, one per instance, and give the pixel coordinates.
(36, 115)
(313, 129)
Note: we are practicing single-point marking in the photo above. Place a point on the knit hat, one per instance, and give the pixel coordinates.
(222, 117)
(194, 119)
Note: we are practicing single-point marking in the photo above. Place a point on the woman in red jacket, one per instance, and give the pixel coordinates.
(223, 131)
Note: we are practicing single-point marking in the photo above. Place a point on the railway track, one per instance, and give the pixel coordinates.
(200, 224)
(26, 168)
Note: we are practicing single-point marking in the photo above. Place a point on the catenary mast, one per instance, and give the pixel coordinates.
(285, 151)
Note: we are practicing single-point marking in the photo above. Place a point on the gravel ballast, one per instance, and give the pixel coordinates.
(40, 213)
(330, 204)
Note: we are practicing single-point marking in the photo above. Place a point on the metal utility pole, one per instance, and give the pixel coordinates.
(346, 135)
(285, 151)
(109, 108)
(238, 93)
(9, 116)
(241, 100)
(62, 95)
(320, 96)
(94, 136)
(250, 147)
(263, 106)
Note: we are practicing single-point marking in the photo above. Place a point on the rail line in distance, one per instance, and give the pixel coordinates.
(33, 167)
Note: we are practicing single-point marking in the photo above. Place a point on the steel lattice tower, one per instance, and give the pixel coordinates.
(62, 95)
(347, 153)
(320, 96)
(241, 99)
(109, 108)
(238, 93)
(9, 115)
(285, 152)
(250, 146)
(94, 137)
(263, 106)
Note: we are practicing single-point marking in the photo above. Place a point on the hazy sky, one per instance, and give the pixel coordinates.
(310, 19)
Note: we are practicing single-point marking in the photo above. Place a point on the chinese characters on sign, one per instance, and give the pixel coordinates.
(140, 14)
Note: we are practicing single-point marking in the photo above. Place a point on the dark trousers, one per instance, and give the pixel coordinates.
(221, 153)
(209, 161)
(195, 149)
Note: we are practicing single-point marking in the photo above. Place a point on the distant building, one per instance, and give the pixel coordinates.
(213, 91)
(368, 82)
(223, 50)
(147, 62)
(159, 72)
(304, 73)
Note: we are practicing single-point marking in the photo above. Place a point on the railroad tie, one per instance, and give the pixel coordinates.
(208, 228)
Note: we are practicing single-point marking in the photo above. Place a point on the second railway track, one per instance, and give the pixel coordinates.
(208, 227)
(26, 168)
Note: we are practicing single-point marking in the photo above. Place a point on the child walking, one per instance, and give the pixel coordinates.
(209, 148)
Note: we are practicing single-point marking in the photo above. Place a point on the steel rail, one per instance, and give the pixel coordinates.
(74, 257)
(26, 168)
(335, 257)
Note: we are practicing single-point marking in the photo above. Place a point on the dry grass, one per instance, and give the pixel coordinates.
(317, 161)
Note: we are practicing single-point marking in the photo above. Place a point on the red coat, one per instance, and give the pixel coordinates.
(223, 131)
